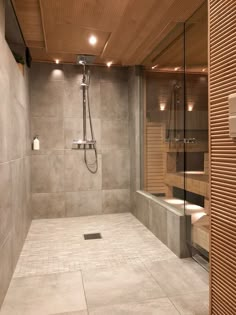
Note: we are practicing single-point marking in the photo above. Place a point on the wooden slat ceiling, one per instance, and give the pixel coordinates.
(128, 31)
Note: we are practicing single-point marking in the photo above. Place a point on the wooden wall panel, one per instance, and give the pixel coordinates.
(155, 159)
(222, 57)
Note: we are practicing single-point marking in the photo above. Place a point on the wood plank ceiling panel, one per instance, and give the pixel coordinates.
(178, 12)
(134, 21)
(29, 16)
(128, 31)
(68, 24)
(173, 56)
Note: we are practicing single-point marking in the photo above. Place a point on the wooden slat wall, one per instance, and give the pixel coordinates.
(222, 55)
(155, 158)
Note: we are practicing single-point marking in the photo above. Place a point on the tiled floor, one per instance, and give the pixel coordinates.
(128, 271)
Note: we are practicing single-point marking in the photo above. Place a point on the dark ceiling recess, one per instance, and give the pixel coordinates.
(14, 36)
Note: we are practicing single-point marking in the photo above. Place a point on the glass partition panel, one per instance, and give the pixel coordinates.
(175, 127)
(196, 129)
(164, 121)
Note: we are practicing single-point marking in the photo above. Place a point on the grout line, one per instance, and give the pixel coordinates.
(86, 300)
(174, 306)
(161, 287)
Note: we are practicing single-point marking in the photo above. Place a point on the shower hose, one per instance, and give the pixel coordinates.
(91, 166)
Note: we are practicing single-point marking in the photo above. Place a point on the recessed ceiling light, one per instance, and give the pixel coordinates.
(57, 61)
(93, 40)
(177, 68)
(204, 70)
(109, 63)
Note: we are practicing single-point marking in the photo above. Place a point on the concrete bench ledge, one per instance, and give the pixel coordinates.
(167, 222)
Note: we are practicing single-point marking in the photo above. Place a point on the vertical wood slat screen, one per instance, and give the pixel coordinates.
(155, 158)
(222, 80)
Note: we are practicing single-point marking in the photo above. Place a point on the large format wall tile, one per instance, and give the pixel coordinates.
(5, 204)
(19, 204)
(50, 132)
(115, 169)
(158, 224)
(4, 115)
(135, 114)
(115, 200)
(73, 98)
(44, 72)
(77, 177)
(15, 187)
(114, 100)
(74, 131)
(142, 211)
(2, 21)
(47, 99)
(73, 73)
(17, 143)
(47, 173)
(6, 269)
(83, 203)
(115, 134)
(56, 113)
(73, 101)
(175, 234)
(27, 174)
(116, 74)
(46, 205)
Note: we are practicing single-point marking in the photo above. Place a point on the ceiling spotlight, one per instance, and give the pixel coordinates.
(204, 70)
(93, 40)
(57, 61)
(109, 63)
(176, 68)
(153, 67)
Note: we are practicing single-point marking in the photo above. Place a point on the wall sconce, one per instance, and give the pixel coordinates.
(109, 63)
(190, 107)
(162, 106)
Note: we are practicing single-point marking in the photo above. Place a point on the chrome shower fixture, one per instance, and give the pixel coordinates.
(86, 143)
(85, 59)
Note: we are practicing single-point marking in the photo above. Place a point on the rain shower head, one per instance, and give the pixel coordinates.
(85, 59)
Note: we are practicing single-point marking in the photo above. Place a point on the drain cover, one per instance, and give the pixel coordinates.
(92, 236)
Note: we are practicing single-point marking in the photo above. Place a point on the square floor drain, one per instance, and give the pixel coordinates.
(92, 236)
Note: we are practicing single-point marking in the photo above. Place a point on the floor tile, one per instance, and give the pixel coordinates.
(58, 245)
(128, 271)
(179, 276)
(72, 313)
(192, 304)
(119, 285)
(43, 295)
(161, 306)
